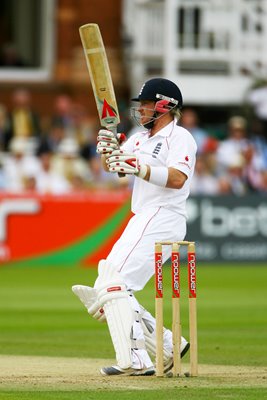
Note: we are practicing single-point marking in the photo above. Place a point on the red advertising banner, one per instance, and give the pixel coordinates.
(78, 228)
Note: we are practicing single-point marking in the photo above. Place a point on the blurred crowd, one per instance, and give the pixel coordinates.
(56, 154)
(235, 164)
(53, 154)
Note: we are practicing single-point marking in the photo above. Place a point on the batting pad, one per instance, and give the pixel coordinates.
(113, 297)
(149, 325)
(150, 339)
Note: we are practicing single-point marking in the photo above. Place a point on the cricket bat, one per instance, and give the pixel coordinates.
(100, 76)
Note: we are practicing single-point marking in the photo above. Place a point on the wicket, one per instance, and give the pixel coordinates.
(176, 320)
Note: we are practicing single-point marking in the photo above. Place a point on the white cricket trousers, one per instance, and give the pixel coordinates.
(133, 256)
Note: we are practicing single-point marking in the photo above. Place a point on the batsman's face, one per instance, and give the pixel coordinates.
(146, 110)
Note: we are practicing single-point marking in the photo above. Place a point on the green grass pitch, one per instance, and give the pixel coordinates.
(40, 319)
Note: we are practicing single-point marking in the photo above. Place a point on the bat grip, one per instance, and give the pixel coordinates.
(113, 129)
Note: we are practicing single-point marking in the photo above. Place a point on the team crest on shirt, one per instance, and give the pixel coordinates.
(156, 150)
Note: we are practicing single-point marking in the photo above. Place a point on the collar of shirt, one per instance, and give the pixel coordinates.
(166, 131)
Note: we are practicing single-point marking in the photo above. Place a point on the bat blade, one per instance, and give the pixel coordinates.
(99, 72)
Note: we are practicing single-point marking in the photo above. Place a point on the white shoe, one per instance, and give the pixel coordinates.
(116, 370)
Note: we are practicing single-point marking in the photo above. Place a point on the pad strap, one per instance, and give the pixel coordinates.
(150, 338)
(137, 344)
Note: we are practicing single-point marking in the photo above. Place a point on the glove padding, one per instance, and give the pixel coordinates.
(87, 295)
(120, 161)
(107, 141)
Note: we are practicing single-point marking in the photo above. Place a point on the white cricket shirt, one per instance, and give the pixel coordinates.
(173, 146)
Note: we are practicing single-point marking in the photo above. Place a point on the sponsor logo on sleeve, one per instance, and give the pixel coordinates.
(185, 162)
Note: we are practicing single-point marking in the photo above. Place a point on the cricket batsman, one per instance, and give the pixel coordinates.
(162, 159)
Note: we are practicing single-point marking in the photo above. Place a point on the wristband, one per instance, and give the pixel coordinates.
(159, 176)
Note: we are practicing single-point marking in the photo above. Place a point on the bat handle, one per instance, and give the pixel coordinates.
(113, 129)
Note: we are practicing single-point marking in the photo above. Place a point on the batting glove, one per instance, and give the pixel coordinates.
(127, 163)
(107, 141)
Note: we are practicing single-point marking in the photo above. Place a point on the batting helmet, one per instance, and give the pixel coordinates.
(157, 88)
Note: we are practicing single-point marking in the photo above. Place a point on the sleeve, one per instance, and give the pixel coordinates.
(182, 154)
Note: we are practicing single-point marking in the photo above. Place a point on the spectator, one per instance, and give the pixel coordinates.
(10, 57)
(234, 145)
(235, 176)
(203, 181)
(4, 128)
(263, 186)
(54, 137)
(189, 120)
(253, 168)
(19, 164)
(24, 120)
(69, 164)
(48, 180)
(258, 99)
(3, 182)
(224, 184)
(259, 140)
(84, 128)
(62, 114)
(210, 155)
(30, 182)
